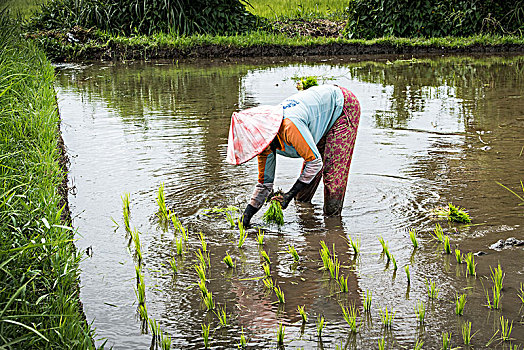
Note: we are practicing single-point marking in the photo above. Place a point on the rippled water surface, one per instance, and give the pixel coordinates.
(432, 131)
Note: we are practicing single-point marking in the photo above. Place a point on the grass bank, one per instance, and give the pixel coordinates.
(79, 45)
(39, 302)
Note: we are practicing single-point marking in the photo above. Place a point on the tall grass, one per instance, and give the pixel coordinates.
(278, 9)
(39, 305)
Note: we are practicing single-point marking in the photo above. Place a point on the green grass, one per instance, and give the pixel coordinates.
(466, 333)
(343, 284)
(438, 233)
(458, 256)
(431, 287)
(355, 245)
(408, 275)
(221, 314)
(265, 256)
(243, 341)
(291, 250)
(470, 264)
(280, 295)
(267, 270)
(163, 213)
(420, 312)
(208, 301)
(381, 343)
(39, 305)
(278, 9)
(242, 234)
(260, 237)
(497, 276)
(447, 246)
(174, 267)
(386, 317)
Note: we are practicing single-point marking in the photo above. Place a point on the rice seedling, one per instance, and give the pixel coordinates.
(418, 345)
(230, 219)
(413, 237)
(381, 343)
(179, 243)
(291, 250)
(163, 213)
(243, 234)
(447, 247)
(268, 282)
(334, 268)
(460, 302)
(470, 264)
(201, 271)
(394, 261)
(208, 301)
(126, 211)
(203, 242)
(274, 214)
(320, 325)
(302, 312)
(142, 313)
(325, 255)
(505, 329)
(458, 214)
(267, 270)
(386, 317)
(265, 256)
(355, 245)
(438, 233)
(243, 341)
(280, 334)
(495, 303)
(350, 315)
(202, 257)
(203, 288)
(446, 341)
(260, 237)
(280, 294)
(229, 261)
(179, 227)
(382, 243)
(155, 331)
(408, 276)
(367, 301)
(205, 334)
(174, 267)
(420, 311)
(343, 284)
(221, 314)
(521, 292)
(466, 333)
(497, 276)
(165, 343)
(458, 256)
(140, 293)
(432, 289)
(135, 236)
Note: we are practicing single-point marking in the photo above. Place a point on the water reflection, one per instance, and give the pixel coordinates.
(432, 131)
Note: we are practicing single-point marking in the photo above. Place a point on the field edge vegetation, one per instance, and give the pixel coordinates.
(39, 264)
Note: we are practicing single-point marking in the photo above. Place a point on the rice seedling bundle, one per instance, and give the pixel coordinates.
(320, 325)
(126, 211)
(267, 270)
(458, 214)
(497, 276)
(229, 261)
(458, 256)
(432, 289)
(438, 233)
(268, 282)
(460, 302)
(505, 329)
(155, 330)
(203, 288)
(172, 263)
(201, 271)
(495, 303)
(381, 343)
(355, 245)
(408, 276)
(274, 214)
(208, 301)
(202, 257)
(413, 237)
(179, 243)
(447, 247)
(305, 83)
(243, 234)
(165, 344)
(162, 213)
(521, 292)
(302, 312)
(265, 256)
(418, 345)
(350, 315)
(203, 242)
(222, 316)
(243, 341)
(343, 283)
(260, 237)
(230, 219)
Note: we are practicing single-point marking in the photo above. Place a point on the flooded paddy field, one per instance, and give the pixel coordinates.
(432, 131)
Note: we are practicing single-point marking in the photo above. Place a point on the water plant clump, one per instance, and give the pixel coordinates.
(280, 294)
(302, 311)
(413, 237)
(205, 334)
(274, 214)
(458, 256)
(321, 323)
(243, 234)
(466, 333)
(386, 317)
(350, 316)
(470, 264)
(458, 214)
(163, 213)
(367, 301)
(280, 334)
(460, 302)
(420, 311)
(229, 261)
(432, 289)
(291, 250)
(260, 237)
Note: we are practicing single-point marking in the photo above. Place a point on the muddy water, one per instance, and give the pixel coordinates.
(432, 131)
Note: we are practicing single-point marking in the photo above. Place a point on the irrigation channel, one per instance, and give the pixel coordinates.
(433, 131)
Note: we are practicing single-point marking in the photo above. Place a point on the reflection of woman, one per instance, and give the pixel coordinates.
(319, 124)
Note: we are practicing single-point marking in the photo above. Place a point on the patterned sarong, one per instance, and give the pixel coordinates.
(336, 149)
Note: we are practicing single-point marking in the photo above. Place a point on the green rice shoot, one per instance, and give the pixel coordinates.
(267, 270)
(260, 237)
(466, 333)
(432, 289)
(321, 323)
(497, 276)
(367, 301)
(458, 214)
(291, 250)
(208, 301)
(505, 329)
(446, 341)
(205, 334)
(438, 233)
(343, 284)
(381, 344)
(470, 264)
(172, 263)
(408, 276)
(229, 261)
(265, 256)
(386, 316)
(302, 311)
(447, 247)
(355, 245)
(268, 283)
(274, 214)
(243, 341)
(413, 237)
(203, 242)
(126, 212)
(458, 256)
(280, 295)
(460, 302)
(350, 315)
(420, 312)
(243, 234)
(280, 334)
(162, 213)
(221, 314)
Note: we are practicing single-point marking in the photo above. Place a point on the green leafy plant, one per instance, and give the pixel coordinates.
(386, 317)
(243, 234)
(458, 256)
(367, 301)
(221, 314)
(420, 311)
(447, 247)
(126, 211)
(343, 284)
(432, 289)
(230, 219)
(267, 270)
(470, 264)
(458, 214)
(161, 201)
(460, 302)
(408, 276)
(305, 83)
(321, 323)
(274, 214)
(291, 250)
(446, 341)
(466, 333)
(260, 237)
(413, 237)
(281, 332)
(229, 261)
(355, 245)
(438, 233)
(174, 267)
(381, 343)
(205, 334)
(265, 256)
(280, 294)
(350, 314)
(302, 312)
(497, 276)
